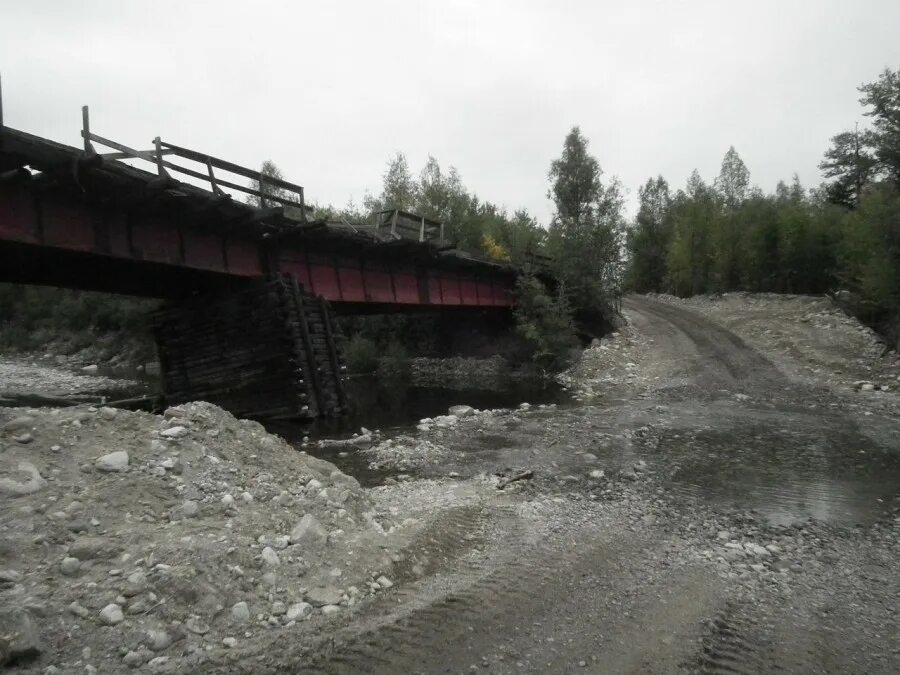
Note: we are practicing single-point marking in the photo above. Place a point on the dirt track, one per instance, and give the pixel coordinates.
(644, 569)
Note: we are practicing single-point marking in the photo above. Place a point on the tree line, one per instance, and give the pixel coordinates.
(841, 236)
(579, 276)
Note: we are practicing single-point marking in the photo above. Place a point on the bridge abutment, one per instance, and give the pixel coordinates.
(266, 350)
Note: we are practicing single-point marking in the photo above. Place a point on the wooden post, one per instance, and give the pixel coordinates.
(332, 351)
(422, 230)
(86, 130)
(159, 160)
(307, 342)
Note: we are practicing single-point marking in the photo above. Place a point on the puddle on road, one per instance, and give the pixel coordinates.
(839, 478)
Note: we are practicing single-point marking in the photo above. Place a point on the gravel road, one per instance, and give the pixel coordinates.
(702, 512)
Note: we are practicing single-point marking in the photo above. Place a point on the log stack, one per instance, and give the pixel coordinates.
(266, 350)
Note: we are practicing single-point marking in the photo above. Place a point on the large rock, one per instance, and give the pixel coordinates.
(298, 611)
(461, 410)
(111, 615)
(173, 433)
(113, 462)
(338, 477)
(240, 612)
(19, 638)
(309, 532)
(19, 478)
(19, 424)
(270, 557)
(324, 595)
(90, 548)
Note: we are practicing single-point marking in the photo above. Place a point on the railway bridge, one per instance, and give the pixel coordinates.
(251, 286)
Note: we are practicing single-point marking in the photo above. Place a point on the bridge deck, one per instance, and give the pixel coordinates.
(79, 220)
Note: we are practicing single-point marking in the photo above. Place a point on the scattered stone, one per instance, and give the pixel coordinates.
(229, 642)
(596, 474)
(19, 638)
(297, 611)
(90, 369)
(19, 424)
(270, 557)
(111, 615)
(309, 532)
(135, 659)
(227, 501)
(114, 461)
(108, 413)
(90, 548)
(9, 577)
(70, 566)
(240, 612)
(324, 595)
(330, 610)
(278, 608)
(24, 479)
(24, 439)
(159, 640)
(174, 433)
(445, 421)
(135, 584)
(756, 550)
(78, 610)
(196, 625)
(384, 582)
(158, 664)
(190, 509)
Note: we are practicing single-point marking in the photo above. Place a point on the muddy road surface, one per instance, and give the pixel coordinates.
(700, 511)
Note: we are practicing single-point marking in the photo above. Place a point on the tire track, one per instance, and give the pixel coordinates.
(735, 642)
(428, 635)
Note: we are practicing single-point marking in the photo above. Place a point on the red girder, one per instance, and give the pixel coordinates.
(50, 225)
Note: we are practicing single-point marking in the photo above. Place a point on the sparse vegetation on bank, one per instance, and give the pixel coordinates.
(89, 326)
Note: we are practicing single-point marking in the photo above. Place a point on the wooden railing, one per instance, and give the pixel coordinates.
(280, 195)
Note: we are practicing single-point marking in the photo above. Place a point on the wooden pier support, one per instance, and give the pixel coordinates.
(264, 351)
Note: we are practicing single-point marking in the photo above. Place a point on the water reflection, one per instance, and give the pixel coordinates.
(830, 475)
(392, 403)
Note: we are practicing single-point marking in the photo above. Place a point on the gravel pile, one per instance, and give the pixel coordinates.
(133, 540)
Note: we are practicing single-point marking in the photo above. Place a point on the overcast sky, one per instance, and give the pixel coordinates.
(330, 90)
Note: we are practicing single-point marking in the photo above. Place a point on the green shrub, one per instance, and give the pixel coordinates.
(361, 355)
(546, 323)
(394, 362)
